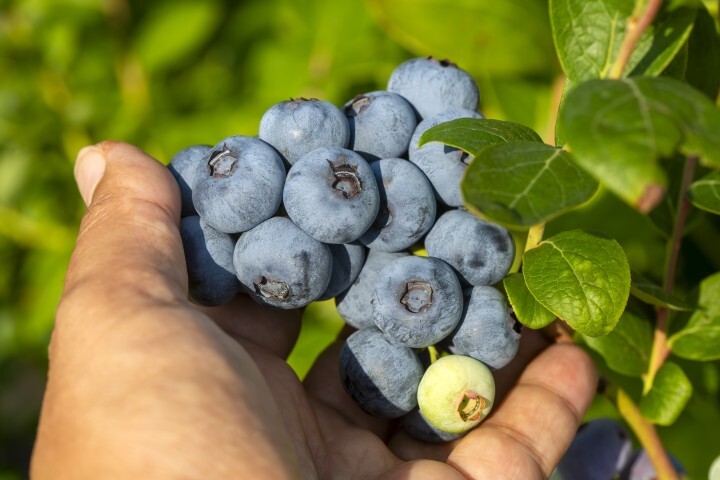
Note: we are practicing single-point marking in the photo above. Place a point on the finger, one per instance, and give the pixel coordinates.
(128, 249)
(531, 344)
(247, 321)
(531, 429)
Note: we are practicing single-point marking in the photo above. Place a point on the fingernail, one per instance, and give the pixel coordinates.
(89, 169)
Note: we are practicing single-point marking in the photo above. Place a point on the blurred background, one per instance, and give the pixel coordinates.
(167, 74)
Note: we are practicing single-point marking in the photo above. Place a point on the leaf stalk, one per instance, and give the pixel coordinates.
(661, 349)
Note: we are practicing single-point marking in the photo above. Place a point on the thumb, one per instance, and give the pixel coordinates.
(129, 244)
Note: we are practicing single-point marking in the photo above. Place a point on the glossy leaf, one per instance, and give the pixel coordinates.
(581, 277)
(527, 310)
(645, 290)
(627, 348)
(670, 393)
(589, 33)
(703, 68)
(618, 129)
(474, 134)
(483, 36)
(705, 193)
(521, 184)
(699, 339)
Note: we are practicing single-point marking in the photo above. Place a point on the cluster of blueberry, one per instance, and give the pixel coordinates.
(602, 450)
(326, 205)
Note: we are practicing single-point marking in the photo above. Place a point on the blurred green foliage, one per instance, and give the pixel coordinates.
(167, 74)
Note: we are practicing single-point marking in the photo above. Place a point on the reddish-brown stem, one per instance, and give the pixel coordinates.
(661, 349)
(635, 30)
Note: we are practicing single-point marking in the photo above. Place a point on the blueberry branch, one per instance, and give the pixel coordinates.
(636, 27)
(661, 349)
(645, 432)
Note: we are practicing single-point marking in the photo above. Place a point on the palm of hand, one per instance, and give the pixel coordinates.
(143, 384)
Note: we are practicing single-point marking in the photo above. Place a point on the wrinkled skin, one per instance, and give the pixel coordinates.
(143, 384)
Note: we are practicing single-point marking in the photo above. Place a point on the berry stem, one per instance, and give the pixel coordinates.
(637, 24)
(645, 432)
(661, 349)
(432, 351)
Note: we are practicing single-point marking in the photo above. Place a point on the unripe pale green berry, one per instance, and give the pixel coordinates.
(456, 393)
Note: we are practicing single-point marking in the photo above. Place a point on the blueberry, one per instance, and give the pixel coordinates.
(209, 260)
(600, 450)
(354, 305)
(280, 265)
(332, 195)
(456, 393)
(434, 86)
(407, 206)
(417, 301)
(239, 184)
(641, 468)
(417, 426)
(481, 252)
(382, 377)
(486, 330)
(183, 167)
(381, 124)
(444, 166)
(299, 126)
(348, 260)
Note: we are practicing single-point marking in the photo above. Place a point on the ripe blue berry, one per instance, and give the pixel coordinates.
(486, 330)
(481, 252)
(417, 426)
(348, 260)
(184, 166)
(209, 260)
(381, 124)
(382, 377)
(332, 195)
(355, 304)
(299, 126)
(600, 450)
(280, 265)
(417, 301)
(239, 184)
(407, 206)
(434, 86)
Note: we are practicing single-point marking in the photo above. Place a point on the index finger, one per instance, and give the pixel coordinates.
(533, 426)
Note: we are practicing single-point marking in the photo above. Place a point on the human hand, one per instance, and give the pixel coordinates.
(143, 384)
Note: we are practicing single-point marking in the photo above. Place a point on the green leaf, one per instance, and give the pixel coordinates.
(474, 134)
(700, 338)
(527, 310)
(703, 68)
(588, 35)
(627, 348)
(645, 290)
(581, 277)
(705, 193)
(515, 37)
(174, 30)
(618, 130)
(670, 393)
(521, 184)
